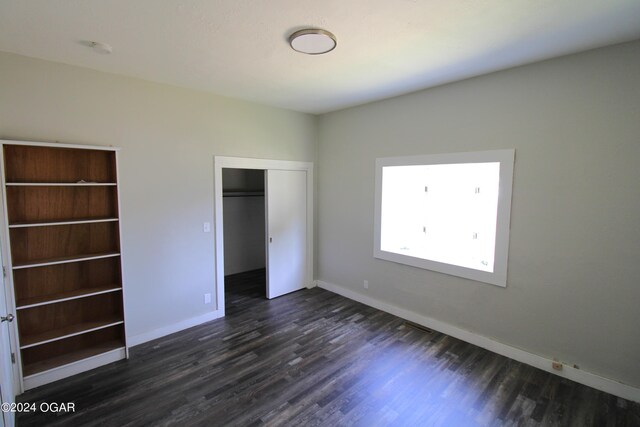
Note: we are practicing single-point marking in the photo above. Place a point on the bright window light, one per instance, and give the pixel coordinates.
(448, 213)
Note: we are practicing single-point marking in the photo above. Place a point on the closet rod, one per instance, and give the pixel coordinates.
(243, 194)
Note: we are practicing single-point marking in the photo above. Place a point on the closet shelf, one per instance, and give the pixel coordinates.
(243, 193)
(64, 260)
(67, 332)
(66, 296)
(64, 222)
(60, 184)
(69, 358)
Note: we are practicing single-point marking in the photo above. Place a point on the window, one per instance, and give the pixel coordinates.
(447, 212)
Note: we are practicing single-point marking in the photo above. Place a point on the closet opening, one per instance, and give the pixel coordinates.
(244, 207)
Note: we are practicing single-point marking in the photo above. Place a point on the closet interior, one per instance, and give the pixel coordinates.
(244, 230)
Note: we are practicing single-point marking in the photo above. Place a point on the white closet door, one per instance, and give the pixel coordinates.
(286, 199)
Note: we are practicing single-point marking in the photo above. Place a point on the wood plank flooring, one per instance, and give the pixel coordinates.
(313, 358)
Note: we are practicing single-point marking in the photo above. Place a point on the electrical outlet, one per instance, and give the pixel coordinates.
(206, 227)
(207, 298)
(366, 284)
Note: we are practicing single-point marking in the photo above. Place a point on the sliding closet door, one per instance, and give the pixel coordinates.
(286, 199)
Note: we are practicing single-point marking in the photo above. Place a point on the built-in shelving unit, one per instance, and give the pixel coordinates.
(64, 239)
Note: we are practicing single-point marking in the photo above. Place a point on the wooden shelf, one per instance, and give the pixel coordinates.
(53, 223)
(33, 286)
(64, 260)
(40, 245)
(60, 184)
(75, 356)
(27, 341)
(54, 164)
(44, 204)
(65, 296)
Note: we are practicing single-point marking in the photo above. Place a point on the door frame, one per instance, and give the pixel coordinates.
(10, 301)
(220, 162)
(7, 366)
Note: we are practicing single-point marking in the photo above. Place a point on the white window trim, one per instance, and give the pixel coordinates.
(506, 159)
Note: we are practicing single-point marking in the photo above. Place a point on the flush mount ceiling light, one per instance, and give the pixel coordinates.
(100, 47)
(312, 41)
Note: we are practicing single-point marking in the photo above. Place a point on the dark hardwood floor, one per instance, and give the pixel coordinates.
(313, 358)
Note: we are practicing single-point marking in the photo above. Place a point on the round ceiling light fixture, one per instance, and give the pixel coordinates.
(100, 47)
(312, 41)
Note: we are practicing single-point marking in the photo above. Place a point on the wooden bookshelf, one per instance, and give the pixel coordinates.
(63, 224)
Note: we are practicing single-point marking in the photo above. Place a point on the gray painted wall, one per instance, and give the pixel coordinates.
(573, 288)
(168, 137)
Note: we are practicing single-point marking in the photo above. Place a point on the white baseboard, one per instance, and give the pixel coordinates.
(170, 329)
(580, 376)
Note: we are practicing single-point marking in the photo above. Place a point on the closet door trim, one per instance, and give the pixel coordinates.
(221, 162)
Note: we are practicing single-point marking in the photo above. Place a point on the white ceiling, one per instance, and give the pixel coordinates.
(238, 48)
